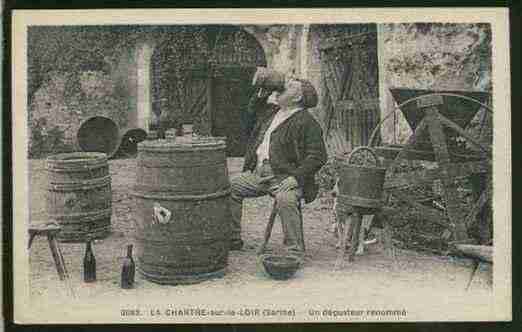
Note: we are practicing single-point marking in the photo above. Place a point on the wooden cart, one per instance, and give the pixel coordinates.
(438, 120)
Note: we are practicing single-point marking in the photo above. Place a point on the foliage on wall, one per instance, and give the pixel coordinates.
(63, 102)
(69, 79)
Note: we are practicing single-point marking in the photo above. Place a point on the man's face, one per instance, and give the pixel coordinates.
(292, 94)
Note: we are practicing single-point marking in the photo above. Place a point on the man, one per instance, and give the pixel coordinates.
(284, 152)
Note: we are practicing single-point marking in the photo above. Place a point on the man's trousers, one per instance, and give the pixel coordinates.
(249, 185)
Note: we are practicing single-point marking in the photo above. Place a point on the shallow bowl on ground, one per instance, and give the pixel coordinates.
(280, 267)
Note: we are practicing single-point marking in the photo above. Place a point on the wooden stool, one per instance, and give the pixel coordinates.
(270, 225)
(50, 230)
(351, 232)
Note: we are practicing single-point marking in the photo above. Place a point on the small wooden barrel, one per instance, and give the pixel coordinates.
(79, 195)
(189, 179)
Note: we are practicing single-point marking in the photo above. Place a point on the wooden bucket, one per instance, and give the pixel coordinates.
(361, 185)
(79, 195)
(189, 179)
(101, 134)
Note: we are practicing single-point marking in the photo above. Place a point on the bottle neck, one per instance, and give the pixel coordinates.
(129, 251)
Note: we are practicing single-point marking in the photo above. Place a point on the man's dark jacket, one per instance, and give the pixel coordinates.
(296, 149)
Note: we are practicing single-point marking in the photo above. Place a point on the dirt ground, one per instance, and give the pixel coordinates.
(372, 278)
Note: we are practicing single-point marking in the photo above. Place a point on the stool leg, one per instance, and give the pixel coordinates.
(356, 224)
(388, 242)
(300, 208)
(344, 239)
(58, 259)
(268, 229)
(32, 235)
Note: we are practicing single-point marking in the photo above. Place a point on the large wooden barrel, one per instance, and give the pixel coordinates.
(189, 178)
(79, 195)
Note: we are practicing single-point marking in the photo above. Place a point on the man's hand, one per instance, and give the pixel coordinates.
(288, 184)
(263, 93)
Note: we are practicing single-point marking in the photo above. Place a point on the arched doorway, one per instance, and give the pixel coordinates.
(202, 75)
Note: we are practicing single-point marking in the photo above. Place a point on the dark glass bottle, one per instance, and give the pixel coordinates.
(128, 269)
(89, 264)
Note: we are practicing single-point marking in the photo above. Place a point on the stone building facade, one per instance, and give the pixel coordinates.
(124, 87)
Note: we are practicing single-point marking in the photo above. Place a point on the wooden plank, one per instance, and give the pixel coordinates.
(356, 224)
(429, 101)
(328, 105)
(347, 40)
(330, 83)
(411, 141)
(58, 260)
(427, 176)
(347, 231)
(332, 92)
(339, 66)
(344, 105)
(361, 105)
(482, 277)
(450, 124)
(331, 79)
(210, 99)
(483, 253)
(391, 152)
(450, 194)
(477, 206)
(422, 211)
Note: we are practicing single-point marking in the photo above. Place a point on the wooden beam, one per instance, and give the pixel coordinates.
(450, 194)
(450, 124)
(427, 176)
(483, 253)
(390, 152)
(210, 100)
(424, 212)
(347, 40)
(344, 105)
(477, 207)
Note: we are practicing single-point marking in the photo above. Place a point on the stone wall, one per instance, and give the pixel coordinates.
(64, 101)
(432, 56)
(90, 74)
(280, 45)
(421, 56)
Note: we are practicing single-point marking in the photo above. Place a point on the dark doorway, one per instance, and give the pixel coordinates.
(202, 75)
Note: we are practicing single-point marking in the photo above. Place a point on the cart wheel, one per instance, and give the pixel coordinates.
(481, 190)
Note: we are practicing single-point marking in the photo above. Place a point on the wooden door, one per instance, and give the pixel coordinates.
(215, 85)
(179, 77)
(350, 76)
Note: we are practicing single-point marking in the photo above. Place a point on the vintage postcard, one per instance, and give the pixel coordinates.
(261, 165)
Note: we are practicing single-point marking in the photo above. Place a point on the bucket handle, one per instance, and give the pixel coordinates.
(366, 148)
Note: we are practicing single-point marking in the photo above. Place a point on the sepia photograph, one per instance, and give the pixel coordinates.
(233, 166)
